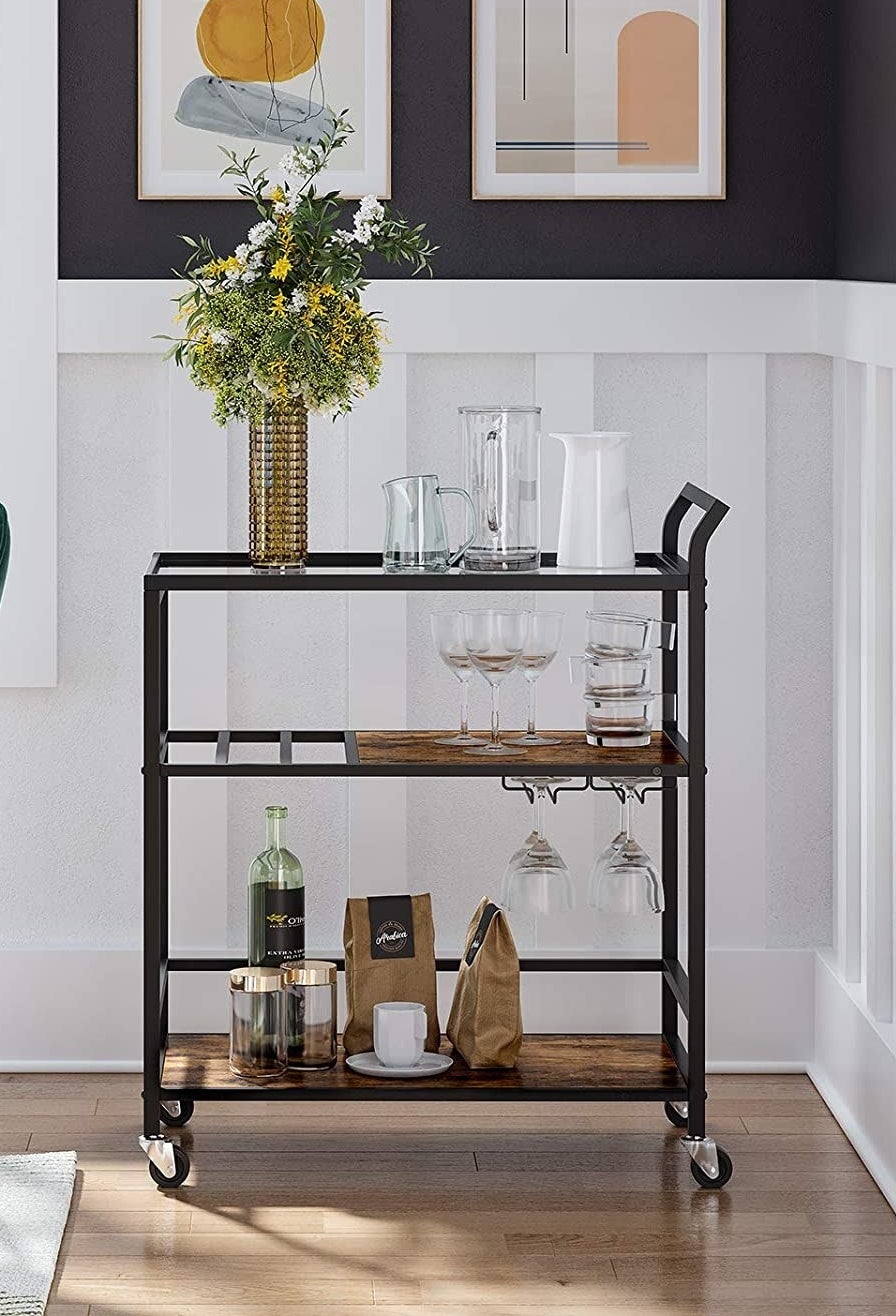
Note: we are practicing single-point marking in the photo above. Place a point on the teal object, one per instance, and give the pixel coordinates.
(4, 547)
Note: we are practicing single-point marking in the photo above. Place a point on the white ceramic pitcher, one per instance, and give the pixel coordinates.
(595, 517)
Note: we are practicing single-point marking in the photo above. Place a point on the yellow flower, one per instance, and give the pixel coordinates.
(278, 306)
(281, 268)
(277, 194)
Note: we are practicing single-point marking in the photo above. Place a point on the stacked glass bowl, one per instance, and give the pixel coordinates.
(617, 673)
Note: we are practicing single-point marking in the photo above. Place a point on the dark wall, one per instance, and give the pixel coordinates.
(866, 140)
(776, 223)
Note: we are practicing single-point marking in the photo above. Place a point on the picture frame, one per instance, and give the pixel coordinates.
(644, 126)
(186, 108)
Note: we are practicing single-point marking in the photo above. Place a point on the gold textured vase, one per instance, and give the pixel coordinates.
(278, 488)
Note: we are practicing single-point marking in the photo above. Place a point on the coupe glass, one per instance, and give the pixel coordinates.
(494, 641)
(536, 880)
(540, 650)
(448, 637)
(624, 879)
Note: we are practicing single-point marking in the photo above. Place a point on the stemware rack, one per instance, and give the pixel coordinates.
(180, 1070)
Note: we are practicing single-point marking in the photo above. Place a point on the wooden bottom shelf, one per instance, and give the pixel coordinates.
(614, 1067)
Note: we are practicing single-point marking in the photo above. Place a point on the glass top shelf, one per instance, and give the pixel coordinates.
(364, 571)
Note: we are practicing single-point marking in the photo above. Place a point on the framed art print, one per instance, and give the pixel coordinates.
(261, 74)
(583, 99)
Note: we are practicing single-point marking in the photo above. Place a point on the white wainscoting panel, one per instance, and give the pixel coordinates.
(736, 637)
(28, 317)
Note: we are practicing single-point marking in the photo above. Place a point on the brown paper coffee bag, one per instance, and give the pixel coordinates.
(390, 955)
(485, 1025)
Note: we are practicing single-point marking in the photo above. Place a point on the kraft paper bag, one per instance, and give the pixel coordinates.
(485, 1025)
(390, 955)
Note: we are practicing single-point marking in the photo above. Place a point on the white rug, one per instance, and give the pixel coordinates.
(35, 1195)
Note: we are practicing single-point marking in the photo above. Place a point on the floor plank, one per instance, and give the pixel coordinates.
(410, 1209)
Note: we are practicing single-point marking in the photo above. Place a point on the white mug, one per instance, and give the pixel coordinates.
(399, 1032)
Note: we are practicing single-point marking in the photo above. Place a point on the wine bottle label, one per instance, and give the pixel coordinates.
(391, 927)
(284, 924)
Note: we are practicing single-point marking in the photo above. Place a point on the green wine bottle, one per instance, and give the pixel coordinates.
(276, 898)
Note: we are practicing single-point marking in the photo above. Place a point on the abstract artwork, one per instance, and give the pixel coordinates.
(598, 98)
(261, 74)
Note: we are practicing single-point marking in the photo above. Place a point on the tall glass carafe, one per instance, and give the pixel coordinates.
(502, 452)
(276, 898)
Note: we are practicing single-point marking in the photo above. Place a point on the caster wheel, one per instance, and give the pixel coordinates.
(674, 1116)
(726, 1169)
(181, 1170)
(177, 1121)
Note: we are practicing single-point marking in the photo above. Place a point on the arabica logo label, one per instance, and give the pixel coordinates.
(391, 937)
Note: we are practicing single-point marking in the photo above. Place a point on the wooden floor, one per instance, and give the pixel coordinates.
(561, 1209)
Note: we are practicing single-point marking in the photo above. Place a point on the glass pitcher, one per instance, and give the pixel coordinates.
(416, 531)
(501, 474)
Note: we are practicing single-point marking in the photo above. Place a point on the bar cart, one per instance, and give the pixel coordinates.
(180, 1070)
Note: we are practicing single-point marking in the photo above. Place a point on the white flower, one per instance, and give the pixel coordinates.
(242, 253)
(250, 275)
(219, 337)
(343, 238)
(300, 162)
(259, 233)
(363, 233)
(371, 211)
(298, 301)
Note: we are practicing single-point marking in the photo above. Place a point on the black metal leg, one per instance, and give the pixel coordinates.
(154, 955)
(697, 852)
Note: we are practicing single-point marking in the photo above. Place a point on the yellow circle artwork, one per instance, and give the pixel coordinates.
(259, 40)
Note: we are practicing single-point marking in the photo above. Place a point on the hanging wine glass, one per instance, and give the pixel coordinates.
(540, 650)
(448, 637)
(624, 879)
(536, 880)
(494, 641)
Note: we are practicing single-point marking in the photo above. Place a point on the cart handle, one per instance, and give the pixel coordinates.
(714, 513)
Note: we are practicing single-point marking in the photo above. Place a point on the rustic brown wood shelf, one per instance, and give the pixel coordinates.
(573, 756)
(623, 1067)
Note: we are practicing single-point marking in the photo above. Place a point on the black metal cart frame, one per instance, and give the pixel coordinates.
(683, 989)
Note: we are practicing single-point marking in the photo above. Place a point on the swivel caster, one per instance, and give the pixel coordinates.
(169, 1164)
(175, 1114)
(710, 1165)
(677, 1113)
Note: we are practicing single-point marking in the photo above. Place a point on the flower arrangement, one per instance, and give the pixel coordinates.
(280, 321)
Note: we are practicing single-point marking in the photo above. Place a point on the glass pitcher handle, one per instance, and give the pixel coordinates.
(491, 481)
(462, 493)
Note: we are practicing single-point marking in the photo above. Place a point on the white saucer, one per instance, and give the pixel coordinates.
(431, 1064)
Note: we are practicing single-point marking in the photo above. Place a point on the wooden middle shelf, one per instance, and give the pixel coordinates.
(614, 1067)
(293, 753)
(419, 749)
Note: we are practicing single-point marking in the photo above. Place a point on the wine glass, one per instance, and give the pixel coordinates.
(539, 651)
(494, 640)
(624, 879)
(448, 637)
(536, 880)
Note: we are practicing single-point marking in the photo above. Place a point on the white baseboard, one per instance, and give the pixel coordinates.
(854, 1070)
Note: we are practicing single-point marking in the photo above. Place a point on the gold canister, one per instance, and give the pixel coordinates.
(278, 487)
(310, 1014)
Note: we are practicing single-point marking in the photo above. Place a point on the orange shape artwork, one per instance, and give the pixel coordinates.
(260, 40)
(659, 90)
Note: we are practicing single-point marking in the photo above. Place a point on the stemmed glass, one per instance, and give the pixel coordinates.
(537, 880)
(494, 641)
(624, 879)
(540, 650)
(448, 637)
